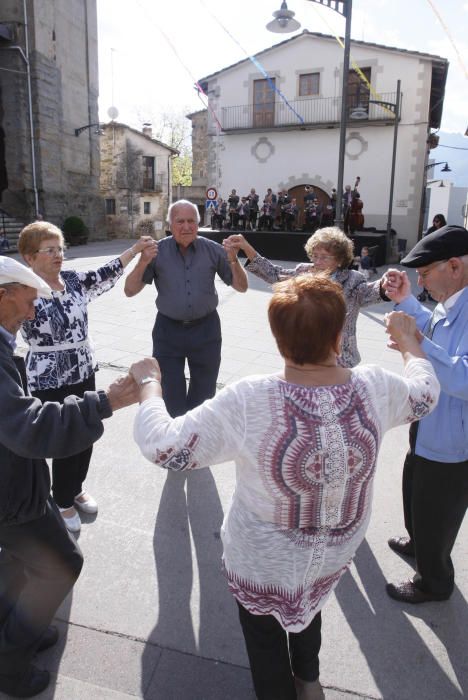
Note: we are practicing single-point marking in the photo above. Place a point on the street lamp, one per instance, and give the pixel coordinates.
(445, 169)
(284, 22)
(89, 126)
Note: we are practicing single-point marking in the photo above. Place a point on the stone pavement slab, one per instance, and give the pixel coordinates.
(151, 615)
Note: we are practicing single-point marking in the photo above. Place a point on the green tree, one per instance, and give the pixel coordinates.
(174, 129)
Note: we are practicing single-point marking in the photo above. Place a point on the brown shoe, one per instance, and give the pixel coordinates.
(407, 592)
(402, 545)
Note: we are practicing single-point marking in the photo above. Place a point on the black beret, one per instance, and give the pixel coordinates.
(447, 242)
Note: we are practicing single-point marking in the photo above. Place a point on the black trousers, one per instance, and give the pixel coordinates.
(435, 499)
(69, 473)
(276, 656)
(39, 564)
(200, 345)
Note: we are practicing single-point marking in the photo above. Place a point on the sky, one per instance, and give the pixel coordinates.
(152, 51)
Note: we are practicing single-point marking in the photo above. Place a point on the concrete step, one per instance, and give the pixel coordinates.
(12, 229)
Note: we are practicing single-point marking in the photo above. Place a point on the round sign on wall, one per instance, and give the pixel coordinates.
(211, 193)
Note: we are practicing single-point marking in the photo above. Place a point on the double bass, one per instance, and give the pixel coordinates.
(356, 217)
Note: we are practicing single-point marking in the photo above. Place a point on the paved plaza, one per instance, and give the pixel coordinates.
(151, 615)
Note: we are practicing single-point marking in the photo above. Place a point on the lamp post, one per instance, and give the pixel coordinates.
(284, 22)
(424, 199)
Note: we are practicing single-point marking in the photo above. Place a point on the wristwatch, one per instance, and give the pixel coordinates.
(148, 380)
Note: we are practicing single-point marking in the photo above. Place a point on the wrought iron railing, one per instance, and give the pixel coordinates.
(158, 183)
(316, 110)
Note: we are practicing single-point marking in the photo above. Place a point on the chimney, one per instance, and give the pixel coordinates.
(147, 130)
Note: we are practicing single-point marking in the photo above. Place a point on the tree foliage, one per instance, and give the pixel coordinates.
(174, 129)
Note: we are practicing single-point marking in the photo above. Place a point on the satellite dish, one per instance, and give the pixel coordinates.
(113, 112)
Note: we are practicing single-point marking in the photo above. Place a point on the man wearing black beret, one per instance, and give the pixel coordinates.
(435, 473)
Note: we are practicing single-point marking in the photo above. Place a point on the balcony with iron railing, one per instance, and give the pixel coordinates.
(315, 112)
(154, 183)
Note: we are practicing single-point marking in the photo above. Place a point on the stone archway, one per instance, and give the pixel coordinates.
(298, 191)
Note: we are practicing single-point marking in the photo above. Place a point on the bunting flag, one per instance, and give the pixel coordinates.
(449, 36)
(356, 68)
(195, 83)
(256, 63)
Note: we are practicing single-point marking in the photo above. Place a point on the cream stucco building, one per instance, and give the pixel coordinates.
(264, 143)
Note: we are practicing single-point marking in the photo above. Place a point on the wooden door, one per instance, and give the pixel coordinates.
(299, 193)
(358, 91)
(264, 103)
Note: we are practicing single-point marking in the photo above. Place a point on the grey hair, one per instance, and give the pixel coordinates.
(181, 202)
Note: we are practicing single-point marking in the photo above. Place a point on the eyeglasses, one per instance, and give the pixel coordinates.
(53, 250)
(324, 258)
(427, 272)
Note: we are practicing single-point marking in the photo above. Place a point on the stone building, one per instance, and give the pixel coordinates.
(136, 174)
(49, 165)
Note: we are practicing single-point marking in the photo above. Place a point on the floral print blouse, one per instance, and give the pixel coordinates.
(357, 291)
(60, 351)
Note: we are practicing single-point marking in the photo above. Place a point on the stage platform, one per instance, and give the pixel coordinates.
(285, 245)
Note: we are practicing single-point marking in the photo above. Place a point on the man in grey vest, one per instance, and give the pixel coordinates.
(187, 325)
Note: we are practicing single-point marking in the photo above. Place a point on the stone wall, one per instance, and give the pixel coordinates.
(199, 148)
(64, 90)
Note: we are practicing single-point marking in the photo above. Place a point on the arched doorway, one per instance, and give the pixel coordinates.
(299, 192)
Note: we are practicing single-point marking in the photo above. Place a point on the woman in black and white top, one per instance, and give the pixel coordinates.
(60, 360)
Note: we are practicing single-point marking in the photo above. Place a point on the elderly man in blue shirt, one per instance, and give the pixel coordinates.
(435, 474)
(187, 325)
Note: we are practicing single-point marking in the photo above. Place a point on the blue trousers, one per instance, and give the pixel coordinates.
(199, 344)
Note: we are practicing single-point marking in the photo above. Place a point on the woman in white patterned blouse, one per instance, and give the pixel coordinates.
(305, 443)
(60, 359)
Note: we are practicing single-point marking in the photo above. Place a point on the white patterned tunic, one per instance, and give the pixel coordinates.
(60, 352)
(305, 460)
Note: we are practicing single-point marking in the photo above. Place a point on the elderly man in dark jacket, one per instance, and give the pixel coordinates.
(39, 560)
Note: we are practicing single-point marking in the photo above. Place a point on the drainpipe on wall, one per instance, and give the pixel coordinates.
(31, 125)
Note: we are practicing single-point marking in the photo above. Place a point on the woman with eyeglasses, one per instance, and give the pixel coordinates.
(437, 222)
(60, 359)
(330, 251)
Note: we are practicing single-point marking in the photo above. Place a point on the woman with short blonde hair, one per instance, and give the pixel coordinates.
(61, 360)
(330, 251)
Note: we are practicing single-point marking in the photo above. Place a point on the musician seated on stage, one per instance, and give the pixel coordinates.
(265, 222)
(291, 211)
(312, 215)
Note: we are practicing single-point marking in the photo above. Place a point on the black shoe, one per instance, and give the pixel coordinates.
(402, 545)
(422, 296)
(48, 639)
(25, 685)
(407, 592)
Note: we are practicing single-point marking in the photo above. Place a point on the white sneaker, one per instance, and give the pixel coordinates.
(86, 503)
(72, 521)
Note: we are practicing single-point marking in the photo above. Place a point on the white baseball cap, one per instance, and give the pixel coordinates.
(12, 271)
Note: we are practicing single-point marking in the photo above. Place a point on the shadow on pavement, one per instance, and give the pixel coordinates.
(190, 515)
(403, 666)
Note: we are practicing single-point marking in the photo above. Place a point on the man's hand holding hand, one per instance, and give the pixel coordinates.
(396, 285)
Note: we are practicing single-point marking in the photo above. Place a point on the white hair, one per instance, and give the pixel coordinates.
(180, 203)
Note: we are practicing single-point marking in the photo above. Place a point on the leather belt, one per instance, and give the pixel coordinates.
(189, 323)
